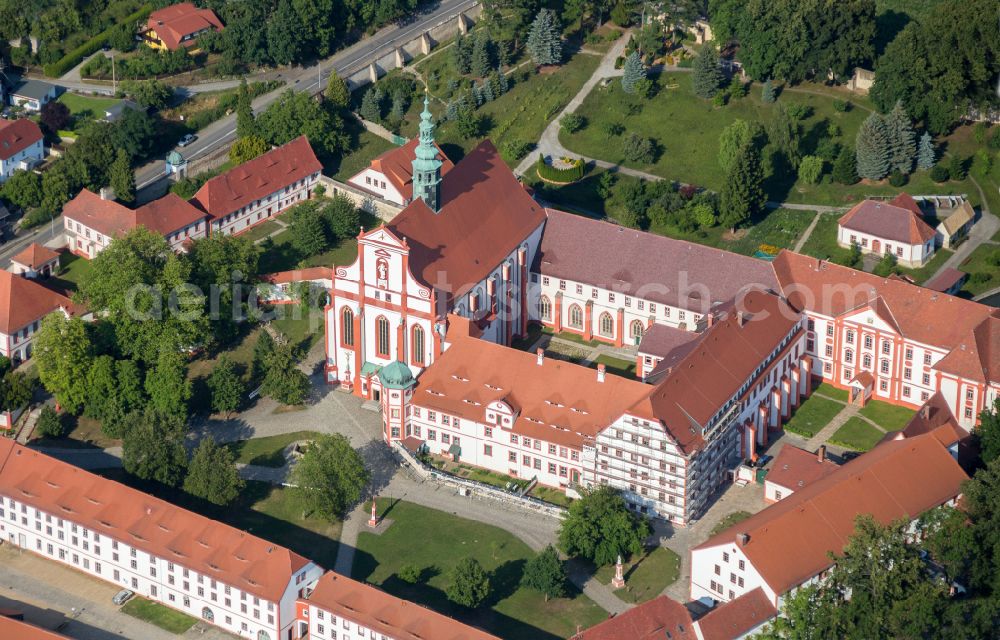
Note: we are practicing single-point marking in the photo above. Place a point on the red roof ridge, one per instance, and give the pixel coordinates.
(16, 136)
(35, 255)
(737, 617)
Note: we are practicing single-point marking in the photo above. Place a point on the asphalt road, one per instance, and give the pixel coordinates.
(41, 235)
(312, 79)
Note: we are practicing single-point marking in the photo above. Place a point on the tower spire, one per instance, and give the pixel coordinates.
(426, 163)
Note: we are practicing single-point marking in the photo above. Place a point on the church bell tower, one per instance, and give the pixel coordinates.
(427, 164)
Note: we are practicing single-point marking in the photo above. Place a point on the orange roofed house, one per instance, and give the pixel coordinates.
(260, 188)
(896, 227)
(178, 26)
(92, 221)
(23, 304)
(785, 545)
(390, 176)
(35, 261)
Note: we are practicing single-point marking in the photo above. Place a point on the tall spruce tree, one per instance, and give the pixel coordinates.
(767, 93)
(482, 59)
(845, 166)
(371, 110)
(544, 41)
(902, 139)
(246, 124)
(925, 155)
(872, 148)
(707, 76)
(122, 178)
(634, 72)
(743, 193)
(461, 55)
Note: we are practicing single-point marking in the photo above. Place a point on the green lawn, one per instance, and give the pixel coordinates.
(261, 230)
(365, 148)
(926, 272)
(646, 576)
(888, 416)
(160, 615)
(240, 353)
(72, 269)
(572, 337)
(550, 495)
(822, 242)
(962, 143)
(434, 541)
(831, 391)
(86, 106)
(814, 414)
(981, 265)
(302, 328)
(780, 228)
(615, 366)
(686, 130)
(856, 434)
(728, 521)
(280, 255)
(520, 114)
(267, 451)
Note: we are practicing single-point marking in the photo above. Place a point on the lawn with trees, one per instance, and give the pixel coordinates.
(412, 560)
(812, 415)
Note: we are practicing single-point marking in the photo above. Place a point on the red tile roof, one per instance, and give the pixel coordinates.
(16, 136)
(789, 540)
(257, 178)
(922, 315)
(164, 216)
(606, 255)
(22, 301)
(386, 614)
(397, 166)
(172, 23)
(945, 280)
(485, 215)
(738, 617)
(662, 340)
(935, 417)
(299, 275)
(897, 220)
(35, 255)
(17, 630)
(796, 468)
(659, 619)
(557, 401)
(721, 362)
(977, 355)
(151, 525)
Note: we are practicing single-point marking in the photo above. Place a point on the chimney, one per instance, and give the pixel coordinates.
(600, 372)
(742, 539)
(107, 193)
(710, 319)
(741, 318)
(541, 356)
(821, 453)
(925, 411)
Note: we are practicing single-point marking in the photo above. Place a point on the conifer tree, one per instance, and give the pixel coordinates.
(544, 40)
(245, 122)
(872, 148)
(337, 90)
(902, 140)
(743, 193)
(767, 93)
(925, 156)
(844, 167)
(370, 108)
(707, 76)
(122, 178)
(481, 58)
(504, 81)
(461, 57)
(397, 112)
(634, 72)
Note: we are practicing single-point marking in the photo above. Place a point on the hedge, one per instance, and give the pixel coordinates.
(563, 176)
(90, 47)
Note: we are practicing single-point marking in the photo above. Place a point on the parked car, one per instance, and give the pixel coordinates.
(187, 139)
(122, 597)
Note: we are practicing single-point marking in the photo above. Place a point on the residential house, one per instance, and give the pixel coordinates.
(896, 227)
(786, 545)
(23, 304)
(390, 176)
(178, 26)
(35, 261)
(260, 188)
(92, 221)
(32, 95)
(955, 228)
(220, 575)
(661, 618)
(21, 146)
(795, 469)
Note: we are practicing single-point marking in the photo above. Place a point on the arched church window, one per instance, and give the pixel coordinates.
(347, 327)
(263, 635)
(637, 330)
(418, 345)
(382, 336)
(607, 325)
(545, 309)
(576, 317)
(207, 614)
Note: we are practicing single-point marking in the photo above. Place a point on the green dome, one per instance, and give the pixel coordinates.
(175, 158)
(396, 375)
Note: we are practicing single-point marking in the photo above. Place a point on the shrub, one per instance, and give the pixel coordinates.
(994, 142)
(939, 173)
(49, 424)
(71, 59)
(958, 168)
(810, 169)
(572, 122)
(516, 149)
(898, 179)
(563, 176)
(612, 129)
(409, 573)
(636, 148)
(842, 106)
(799, 112)
(720, 99)
(979, 132)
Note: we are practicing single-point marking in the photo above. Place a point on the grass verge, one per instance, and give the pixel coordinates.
(159, 615)
(814, 414)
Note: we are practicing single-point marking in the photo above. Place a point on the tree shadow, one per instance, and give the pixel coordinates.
(779, 184)
(887, 27)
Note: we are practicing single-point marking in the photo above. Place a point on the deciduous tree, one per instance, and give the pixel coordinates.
(734, 137)
(988, 433)
(246, 123)
(63, 355)
(55, 116)
(226, 386)
(329, 477)
(307, 229)
(469, 583)
(247, 148)
(212, 474)
(49, 424)
(600, 526)
(283, 381)
(168, 386)
(122, 178)
(337, 91)
(545, 572)
(153, 447)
